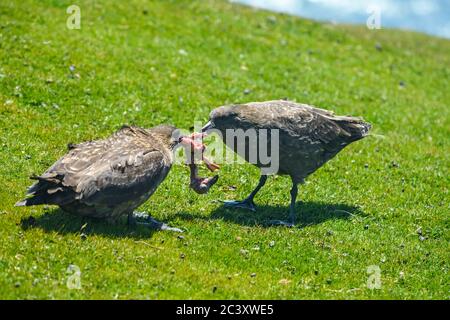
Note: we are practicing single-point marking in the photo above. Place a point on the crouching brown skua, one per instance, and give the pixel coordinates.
(112, 177)
(307, 138)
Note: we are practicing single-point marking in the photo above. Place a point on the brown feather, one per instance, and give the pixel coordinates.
(109, 177)
(309, 136)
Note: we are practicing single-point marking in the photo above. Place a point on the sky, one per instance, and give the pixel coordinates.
(428, 16)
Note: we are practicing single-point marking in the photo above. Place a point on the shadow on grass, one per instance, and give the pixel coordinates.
(57, 220)
(308, 213)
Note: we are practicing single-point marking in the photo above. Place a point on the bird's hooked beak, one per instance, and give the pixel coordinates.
(207, 126)
(185, 141)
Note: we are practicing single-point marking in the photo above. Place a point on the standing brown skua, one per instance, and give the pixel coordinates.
(307, 138)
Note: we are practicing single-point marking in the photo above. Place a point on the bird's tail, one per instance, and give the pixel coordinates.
(359, 129)
(48, 190)
(57, 198)
(33, 201)
(355, 127)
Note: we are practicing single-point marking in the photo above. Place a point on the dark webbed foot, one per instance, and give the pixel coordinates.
(139, 218)
(247, 204)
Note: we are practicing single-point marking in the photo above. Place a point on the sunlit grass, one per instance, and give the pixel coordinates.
(382, 201)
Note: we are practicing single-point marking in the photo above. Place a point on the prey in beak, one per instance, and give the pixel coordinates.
(194, 150)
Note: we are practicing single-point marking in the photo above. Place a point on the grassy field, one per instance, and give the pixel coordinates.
(383, 201)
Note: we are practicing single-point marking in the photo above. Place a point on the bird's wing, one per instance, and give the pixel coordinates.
(108, 171)
(294, 119)
(66, 172)
(125, 177)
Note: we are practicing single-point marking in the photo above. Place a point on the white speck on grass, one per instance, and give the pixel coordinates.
(243, 252)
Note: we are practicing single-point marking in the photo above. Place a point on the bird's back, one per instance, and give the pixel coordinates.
(104, 177)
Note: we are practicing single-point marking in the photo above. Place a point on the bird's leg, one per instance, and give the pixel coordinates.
(248, 203)
(291, 223)
(140, 218)
(292, 214)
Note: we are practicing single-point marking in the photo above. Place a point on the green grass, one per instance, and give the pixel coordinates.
(128, 69)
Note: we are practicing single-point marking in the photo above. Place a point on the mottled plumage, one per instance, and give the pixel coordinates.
(107, 178)
(308, 136)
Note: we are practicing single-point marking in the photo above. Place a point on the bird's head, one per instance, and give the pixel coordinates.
(168, 135)
(221, 118)
(172, 138)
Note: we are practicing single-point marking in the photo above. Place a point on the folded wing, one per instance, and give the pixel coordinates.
(100, 173)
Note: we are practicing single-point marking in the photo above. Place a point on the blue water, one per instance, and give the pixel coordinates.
(428, 16)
